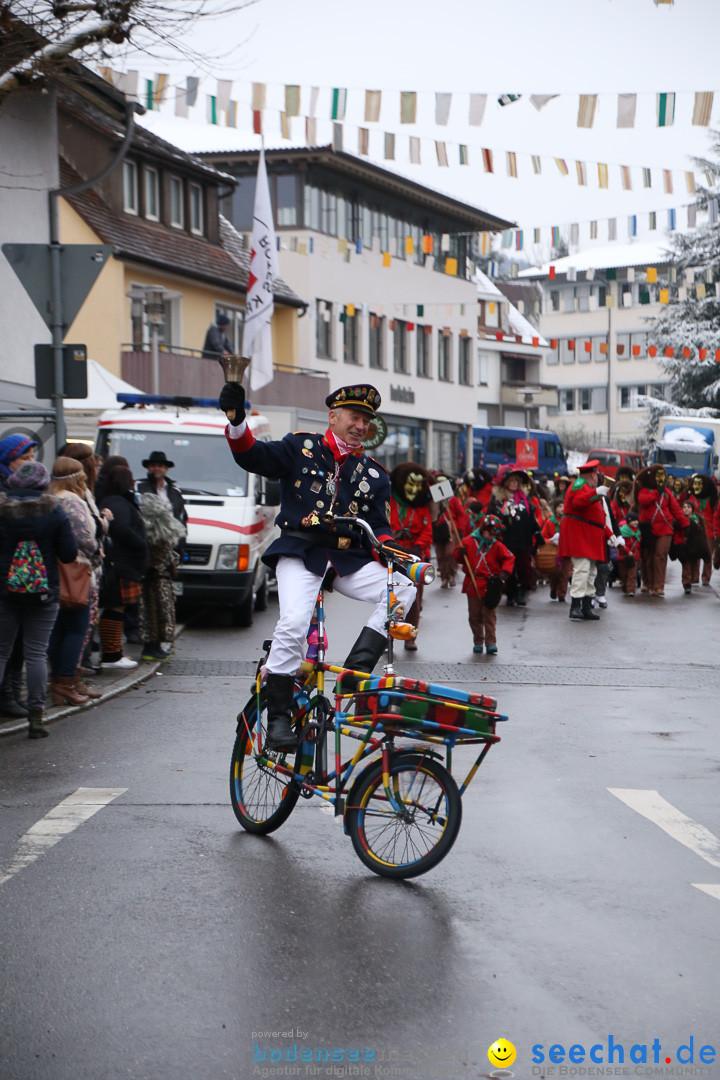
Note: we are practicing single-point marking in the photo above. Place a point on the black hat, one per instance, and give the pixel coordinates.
(222, 319)
(363, 397)
(157, 457)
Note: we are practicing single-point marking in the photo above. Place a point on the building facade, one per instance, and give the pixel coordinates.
(384, 265)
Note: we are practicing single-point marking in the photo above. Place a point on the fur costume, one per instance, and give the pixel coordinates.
(157, 601)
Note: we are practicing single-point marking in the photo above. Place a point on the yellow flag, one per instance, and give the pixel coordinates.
(350, 310)
(451, 267)
(664, 296)
(651, 275)
(409, 245)
(386, 259)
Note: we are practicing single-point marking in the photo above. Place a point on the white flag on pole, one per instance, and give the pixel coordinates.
(257, 339)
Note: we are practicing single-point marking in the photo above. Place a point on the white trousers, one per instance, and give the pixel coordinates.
(298, 588)
(583, 578)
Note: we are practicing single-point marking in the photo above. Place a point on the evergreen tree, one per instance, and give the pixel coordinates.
(694, 322)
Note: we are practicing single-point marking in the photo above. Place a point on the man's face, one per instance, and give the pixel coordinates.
(697, 485)
(350, 425)
(413, 486)
(660, 478)
(592, 478)
(27, 455)
(158, 471)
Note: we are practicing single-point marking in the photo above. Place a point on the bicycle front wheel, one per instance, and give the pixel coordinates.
(262, 798)
(412, 840)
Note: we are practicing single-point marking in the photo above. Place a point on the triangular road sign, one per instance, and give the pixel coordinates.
(80, 266)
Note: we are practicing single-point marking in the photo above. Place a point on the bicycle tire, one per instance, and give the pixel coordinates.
(397, 848)
(261, 799)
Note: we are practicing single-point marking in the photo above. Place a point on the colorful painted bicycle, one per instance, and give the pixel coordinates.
(399, 803)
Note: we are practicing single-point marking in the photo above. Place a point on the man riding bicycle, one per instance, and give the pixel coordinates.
(322, 477)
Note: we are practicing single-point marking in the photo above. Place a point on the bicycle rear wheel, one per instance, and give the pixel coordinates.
(262, 798)
(412, 841)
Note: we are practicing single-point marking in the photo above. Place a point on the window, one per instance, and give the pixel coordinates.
(400, 347)
(483, 360)
(585, 399)
(343, 209)
(323, 328)
(197, 216)
(350, 339)
(401, 229)
(286, 209)
(638, 341)
(629, 395)
(234, 329)
(465, 361)
(583, 356)
(622, 346)
(177, 208)
(367, 227)
(377, 341)
(555, 300)
(130, 187)
(152, 195)
(553, 356)
(566, 400)
(566, 352)
(328, 208)
(312, 208)
(583, 299)
(422, 343)
(444, 357)
(657, 390)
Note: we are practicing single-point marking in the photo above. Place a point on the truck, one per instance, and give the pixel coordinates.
(687, 445)
(230, 511)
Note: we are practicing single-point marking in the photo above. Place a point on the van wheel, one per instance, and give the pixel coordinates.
(261, 596)
(242, 614)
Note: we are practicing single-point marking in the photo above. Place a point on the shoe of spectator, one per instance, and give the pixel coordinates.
(491, 650)
(602, 601)
(124, 663)
(154, 652)
(477, 647)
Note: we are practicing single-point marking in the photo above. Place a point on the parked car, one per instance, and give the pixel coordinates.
(611, 460)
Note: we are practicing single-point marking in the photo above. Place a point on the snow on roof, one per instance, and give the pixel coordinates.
(682, 436)
(604, 258)
(518, 324)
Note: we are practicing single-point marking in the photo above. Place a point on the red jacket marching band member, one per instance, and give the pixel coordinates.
(451, 524)
(704, 498)
(487, 564)
(411, 522)
(583, 532)
(659, 511)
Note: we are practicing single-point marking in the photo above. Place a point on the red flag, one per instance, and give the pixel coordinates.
(702, 353)
(652, 351)
(669, 351)
(687, 353)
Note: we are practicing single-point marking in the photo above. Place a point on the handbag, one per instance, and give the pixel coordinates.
(75, 580)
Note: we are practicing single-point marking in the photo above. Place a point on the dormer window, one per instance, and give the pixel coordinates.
(197, 217)
(130, 187)
(152, 194)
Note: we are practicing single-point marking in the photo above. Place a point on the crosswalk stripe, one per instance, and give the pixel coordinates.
(672, 821)
(57, 823)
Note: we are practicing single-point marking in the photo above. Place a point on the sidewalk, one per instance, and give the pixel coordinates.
(111, 683)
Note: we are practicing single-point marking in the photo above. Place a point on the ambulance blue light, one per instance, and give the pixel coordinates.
(164, 399)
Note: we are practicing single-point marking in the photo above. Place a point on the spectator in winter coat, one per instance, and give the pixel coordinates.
(216, 344)
(658, 511)
(34, 534)
(487, 563)
(15, 450)
(129, 554)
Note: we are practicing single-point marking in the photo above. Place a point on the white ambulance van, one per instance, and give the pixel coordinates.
(230, 512)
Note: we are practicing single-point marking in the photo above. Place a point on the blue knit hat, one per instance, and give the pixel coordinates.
(11, 447)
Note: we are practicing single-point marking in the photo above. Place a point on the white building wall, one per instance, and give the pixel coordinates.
(29, 163)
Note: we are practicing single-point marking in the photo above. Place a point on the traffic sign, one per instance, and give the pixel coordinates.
(80, 266)
(74, 371)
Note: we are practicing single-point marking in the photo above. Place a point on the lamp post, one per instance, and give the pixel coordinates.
(155, 315)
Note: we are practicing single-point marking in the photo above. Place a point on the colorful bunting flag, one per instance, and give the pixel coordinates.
(389, 146)
(311, 130)
(476, 110)
(581, 176)
(314, 94)
(284, 125)
(612, 229)
(373, 100)
(487, 160)
(363, 141)
(541, 100)
(667, 181)
(536, 164)
(463, 154)
(647, 178)
(339, 104)
(602, 175)
(259, 92)
(507, 99)
(408, 107)
(451, 266)
(702, 109)
(690, 181)
(442, 108)
(414, 150)
(625, 177)
(337, 138)
(211, 109)
(441, 153)
(292, 100)
(627, 104)
(511, 164)
(586, 110)
(665, 110)
(562, 166)
(652, 221)
(257, 122)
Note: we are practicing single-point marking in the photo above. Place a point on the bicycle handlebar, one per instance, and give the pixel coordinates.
(417, 569)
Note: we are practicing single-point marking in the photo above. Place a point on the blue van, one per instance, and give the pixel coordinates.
(500, 447)
(479, 434)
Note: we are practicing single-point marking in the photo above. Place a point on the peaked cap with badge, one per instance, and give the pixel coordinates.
(361, 396)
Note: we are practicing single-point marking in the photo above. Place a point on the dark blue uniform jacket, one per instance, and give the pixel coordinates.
(315, 487)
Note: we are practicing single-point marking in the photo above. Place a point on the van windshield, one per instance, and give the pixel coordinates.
(203, 463)
(688, 459)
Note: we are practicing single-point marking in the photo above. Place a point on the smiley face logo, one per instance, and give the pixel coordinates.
(502, 1053)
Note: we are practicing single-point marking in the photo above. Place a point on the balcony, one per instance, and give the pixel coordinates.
(185, 373)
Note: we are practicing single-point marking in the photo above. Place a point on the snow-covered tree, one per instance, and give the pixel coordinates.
(693, 322)
(39, 37)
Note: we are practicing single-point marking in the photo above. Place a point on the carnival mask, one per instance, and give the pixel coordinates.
(697, 485)
(413, 487)
(660, 478)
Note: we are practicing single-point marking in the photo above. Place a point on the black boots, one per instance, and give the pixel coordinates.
(575, 608)
(36, 729)
(280, 699)
(11, 703)
(364, 655)
(587, 610)
(520, 596)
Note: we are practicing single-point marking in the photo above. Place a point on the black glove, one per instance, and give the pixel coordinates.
(460, 551)
(391, 547)
(232, 400)
(493, 591)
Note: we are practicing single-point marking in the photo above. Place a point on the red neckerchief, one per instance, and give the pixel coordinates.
(341, 450)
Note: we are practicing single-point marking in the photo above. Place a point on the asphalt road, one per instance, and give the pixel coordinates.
(145, 935)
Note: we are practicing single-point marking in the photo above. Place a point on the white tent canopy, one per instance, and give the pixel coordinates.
(103, 388)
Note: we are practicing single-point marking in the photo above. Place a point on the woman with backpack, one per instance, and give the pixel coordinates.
(34, 534)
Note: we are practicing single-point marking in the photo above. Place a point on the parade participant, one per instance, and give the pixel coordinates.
(703, 495)
(583, 533)
(629, 555)
(451, 524)
(679, 489)
(690, 545)
(658, 511)
(322, 476)
(157, 482)
(411, 522)
(478, 484)
(487, 564)
(605, 566)
(559, 574)
(621, 499)
(521, 532)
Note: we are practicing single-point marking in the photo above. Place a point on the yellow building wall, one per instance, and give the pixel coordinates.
(104, 324)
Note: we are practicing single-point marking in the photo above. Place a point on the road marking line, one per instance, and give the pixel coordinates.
(57, 823)
(711, 890)
(676, 824)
